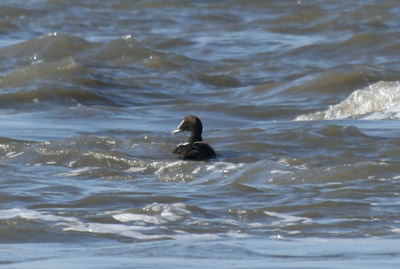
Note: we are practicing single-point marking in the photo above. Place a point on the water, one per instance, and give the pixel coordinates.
(300, 100)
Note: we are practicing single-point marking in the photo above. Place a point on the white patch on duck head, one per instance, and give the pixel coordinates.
(178, 129)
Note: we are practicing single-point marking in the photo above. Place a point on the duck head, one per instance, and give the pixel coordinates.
(191, 124)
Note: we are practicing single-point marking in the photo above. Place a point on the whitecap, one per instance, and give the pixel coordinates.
(197, 170)
(237, 234)
(33, 215)
(77, 172)
(380, 100)
(276, 171)
(174, 212)
(160, 214)
(135, 169)
(287, 219)
(190, 236)
(13, 154)
(116, 229)
(126, 217)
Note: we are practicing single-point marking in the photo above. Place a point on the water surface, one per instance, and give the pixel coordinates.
(300, 100)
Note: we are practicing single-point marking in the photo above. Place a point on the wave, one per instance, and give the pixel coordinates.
(69, 71)
(49, 47)
(380, 97)
(25, 75)
(54, 81)
(140, 224)
(54, 97)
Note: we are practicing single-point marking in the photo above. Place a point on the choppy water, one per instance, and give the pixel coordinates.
(300, 100)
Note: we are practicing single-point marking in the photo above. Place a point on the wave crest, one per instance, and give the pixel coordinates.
(377, 97)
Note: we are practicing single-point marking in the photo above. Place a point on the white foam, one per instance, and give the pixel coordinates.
(380, 100)
(32, 214)
(237, 234)
(150, 224)
(164, 167)
(74, 224)
(286, 218)
(184, 171)
(125, 217)
(116, 229)
(13, 154)
(160, 214)
(275, 171)
(173, 212)
(77, 172)
(72, 163)
(189, 236)
(135, 169)
(197, 170)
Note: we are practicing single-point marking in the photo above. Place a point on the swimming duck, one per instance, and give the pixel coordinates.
(194, 149)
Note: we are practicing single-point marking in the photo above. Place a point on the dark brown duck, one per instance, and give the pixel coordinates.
(194, 149)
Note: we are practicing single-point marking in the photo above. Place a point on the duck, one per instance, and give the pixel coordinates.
(194, 149)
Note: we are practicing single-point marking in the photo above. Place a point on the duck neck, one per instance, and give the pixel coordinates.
(195, 137)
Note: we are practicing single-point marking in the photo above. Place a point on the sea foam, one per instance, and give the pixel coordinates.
(380, 100)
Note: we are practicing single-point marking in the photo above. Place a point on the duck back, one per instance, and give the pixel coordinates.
(195, 151)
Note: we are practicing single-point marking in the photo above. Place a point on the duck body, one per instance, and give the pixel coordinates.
(194, 149)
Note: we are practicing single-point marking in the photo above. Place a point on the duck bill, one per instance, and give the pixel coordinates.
(178, 129)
